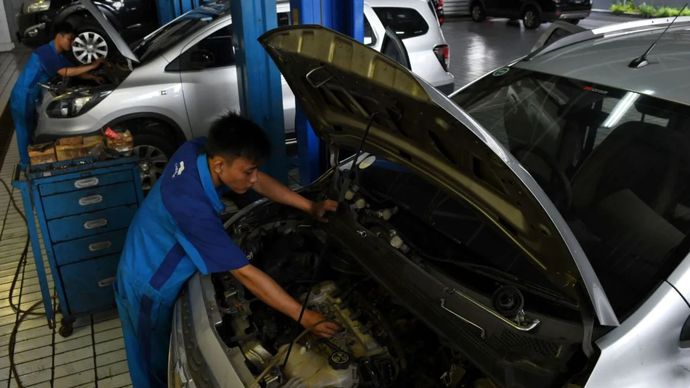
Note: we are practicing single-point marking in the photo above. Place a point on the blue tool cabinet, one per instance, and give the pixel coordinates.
(83, 209)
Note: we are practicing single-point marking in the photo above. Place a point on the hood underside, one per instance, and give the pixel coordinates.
(341, 84)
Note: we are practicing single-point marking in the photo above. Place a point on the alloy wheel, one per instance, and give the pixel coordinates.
(89, 46)
(152, 162)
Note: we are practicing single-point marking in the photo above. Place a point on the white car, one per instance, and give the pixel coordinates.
(178, 79)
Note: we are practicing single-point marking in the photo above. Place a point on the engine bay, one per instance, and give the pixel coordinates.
(379, 339)
(397, 330)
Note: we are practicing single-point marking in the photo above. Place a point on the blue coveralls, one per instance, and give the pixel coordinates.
(43, 65)
(176, 232)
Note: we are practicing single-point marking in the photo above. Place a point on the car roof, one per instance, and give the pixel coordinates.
(602, 57)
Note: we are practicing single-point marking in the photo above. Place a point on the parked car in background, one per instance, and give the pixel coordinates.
(532, 231)
(133, 18)
(174, 83)
(532, 12)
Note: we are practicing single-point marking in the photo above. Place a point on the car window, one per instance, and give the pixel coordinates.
(171, 34)
(616, 164)
(369, 36)
(216, 50)
(406, 22)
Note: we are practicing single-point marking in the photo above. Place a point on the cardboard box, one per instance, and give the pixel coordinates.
(42, 153)
(75, 147)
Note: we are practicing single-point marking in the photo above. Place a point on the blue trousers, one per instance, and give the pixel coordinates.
(146, 325)
(23, 110)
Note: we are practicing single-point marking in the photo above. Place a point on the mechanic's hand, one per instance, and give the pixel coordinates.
(317, 324)
(319, 209)
(97, 63)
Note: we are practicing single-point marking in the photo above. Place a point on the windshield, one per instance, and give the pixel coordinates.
(171, 34)
(615, 163)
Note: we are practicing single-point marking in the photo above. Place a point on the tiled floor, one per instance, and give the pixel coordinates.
(93, 356)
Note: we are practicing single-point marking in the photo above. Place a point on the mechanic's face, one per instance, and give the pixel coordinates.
(239, 175)
(63, 42)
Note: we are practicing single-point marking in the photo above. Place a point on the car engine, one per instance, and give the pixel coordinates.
(379, 338)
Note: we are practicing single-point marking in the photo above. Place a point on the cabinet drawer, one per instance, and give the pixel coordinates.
(89, 247)
(89, 284)
(82, 201)
(84, 182)
(83, 225)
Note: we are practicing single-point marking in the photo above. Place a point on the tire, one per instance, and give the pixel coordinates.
(90, 42)
(531, 18)
(154, 144)
(477, 12)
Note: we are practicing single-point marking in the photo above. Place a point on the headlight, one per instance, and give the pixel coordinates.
(37, 6)
(70, 105)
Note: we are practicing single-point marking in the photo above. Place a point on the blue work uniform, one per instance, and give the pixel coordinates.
(176, 232)
(43, 65)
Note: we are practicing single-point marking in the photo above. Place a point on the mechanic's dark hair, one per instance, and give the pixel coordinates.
(64, 28)
(232, 135)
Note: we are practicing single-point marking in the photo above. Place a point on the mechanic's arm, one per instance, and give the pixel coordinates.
(79, 70)
(278, 192)
(271, 293)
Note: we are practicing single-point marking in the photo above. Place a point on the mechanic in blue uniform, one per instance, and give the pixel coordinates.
(177, 231)
(45, 63)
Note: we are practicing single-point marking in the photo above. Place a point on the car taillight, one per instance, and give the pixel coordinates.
(443, 55)
(439, 12)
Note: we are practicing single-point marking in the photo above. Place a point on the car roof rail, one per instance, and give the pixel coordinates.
(557, 30)
(546, 45)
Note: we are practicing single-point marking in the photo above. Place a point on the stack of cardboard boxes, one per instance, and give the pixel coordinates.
(75, 147)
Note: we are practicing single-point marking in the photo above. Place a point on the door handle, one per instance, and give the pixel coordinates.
(90, 200)
(86, 182)
(99, 246)
(93, 224)
(107, 282)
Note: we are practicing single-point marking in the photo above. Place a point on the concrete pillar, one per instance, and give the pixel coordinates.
(5, 37)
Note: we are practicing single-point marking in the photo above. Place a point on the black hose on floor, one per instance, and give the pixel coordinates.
(21, 314)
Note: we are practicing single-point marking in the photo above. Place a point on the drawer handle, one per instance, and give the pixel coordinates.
(93, 224)
(99, 246)
(86, 182)
(90, 200)
(107, 282)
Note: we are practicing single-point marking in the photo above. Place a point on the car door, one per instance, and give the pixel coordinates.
(208, 76)
(345, 88)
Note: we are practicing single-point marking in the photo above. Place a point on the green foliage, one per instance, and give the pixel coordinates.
(646, 10)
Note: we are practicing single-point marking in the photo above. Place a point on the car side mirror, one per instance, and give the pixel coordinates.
(684, 340)
(394, 48)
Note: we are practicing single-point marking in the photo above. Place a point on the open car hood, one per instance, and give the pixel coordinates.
(114, 36)
(341, 83)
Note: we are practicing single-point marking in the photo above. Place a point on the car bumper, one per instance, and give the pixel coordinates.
(33, 28)
(567, 14)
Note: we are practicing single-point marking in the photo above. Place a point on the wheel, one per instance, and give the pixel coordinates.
(66, 329)
(531, 18)
(90, 42)
(154, 145)
(477, 12)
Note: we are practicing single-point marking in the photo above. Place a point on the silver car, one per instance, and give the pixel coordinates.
(175, 82)
(531, 231)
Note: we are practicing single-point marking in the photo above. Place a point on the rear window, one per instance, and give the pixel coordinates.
(406, 22)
